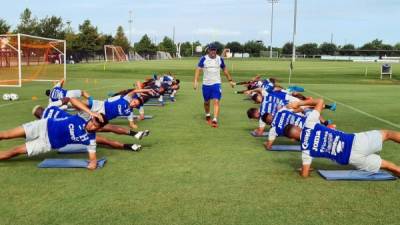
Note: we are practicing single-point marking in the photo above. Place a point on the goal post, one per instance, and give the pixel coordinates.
(113, 53)
(25, 58)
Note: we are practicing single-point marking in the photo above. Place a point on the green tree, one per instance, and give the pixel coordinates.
(28, 24)
(4, 27)
(287, 48)
(145, 47)
(327, 48)
(309, 49)
(51, 27)
(254, 48)
(348, 49)
(88, 38)
(186, 49)
(167, 45)
(234, 46)
(121, 40)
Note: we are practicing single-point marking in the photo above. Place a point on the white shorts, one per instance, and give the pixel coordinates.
(97, 106)
(363, 153)
(37, 140)
(74, 94)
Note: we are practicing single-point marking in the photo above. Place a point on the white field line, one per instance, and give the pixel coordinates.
(92, 89)
(355, 109)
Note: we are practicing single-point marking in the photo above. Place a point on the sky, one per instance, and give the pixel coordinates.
(348, 21)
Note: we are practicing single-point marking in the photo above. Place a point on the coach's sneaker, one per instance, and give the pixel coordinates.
(136, 147)
(208, 119)
(214, 124)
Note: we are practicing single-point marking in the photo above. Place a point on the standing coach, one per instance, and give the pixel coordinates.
(211, 65)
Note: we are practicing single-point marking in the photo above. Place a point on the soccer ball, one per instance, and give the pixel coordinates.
(6, 97)
(14, 97)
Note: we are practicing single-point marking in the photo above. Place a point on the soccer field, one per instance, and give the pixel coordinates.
(189, 173)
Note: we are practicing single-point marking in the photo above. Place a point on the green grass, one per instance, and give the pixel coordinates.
(189, 173)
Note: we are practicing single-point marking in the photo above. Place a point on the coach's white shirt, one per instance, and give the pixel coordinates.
(211, 69)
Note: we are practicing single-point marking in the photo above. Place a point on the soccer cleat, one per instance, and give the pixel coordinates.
(172, 99)
(333, 107)
(141, 134)
(136, 147)
(332, 126)
(214, 124)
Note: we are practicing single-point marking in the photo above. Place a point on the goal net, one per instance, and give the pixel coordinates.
(114, 53)
(25, 58)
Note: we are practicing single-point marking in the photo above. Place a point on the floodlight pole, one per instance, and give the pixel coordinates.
(272, 24)
(130, 21)
(294, 32)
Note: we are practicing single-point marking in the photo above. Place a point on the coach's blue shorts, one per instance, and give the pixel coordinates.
(212, 92)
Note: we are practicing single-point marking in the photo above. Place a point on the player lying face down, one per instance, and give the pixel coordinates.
(357, 149)
(46, 134)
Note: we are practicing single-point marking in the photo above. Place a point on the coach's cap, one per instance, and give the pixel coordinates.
(212, 46)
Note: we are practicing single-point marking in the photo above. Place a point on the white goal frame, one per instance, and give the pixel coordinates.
(18, 50)
(114, 51)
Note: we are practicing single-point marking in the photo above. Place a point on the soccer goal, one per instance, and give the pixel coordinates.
(25, 58)
(114, 53)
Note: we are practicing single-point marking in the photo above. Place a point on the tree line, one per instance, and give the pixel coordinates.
(88, 41)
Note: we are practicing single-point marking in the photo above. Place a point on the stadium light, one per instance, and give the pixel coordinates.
(130, 21)
(272, 24)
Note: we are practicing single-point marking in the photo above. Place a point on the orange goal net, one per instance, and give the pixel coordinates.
(25, 58)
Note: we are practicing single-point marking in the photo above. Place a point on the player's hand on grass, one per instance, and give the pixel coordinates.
(232, 84)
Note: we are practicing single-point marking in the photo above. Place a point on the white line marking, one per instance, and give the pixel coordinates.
(22, 101)
(355, 109)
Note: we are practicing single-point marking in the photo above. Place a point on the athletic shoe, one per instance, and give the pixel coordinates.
(146, 133)
(208, 119)
(332, 126)
(136, 147)
(214, 124)
(333, 107)
(140, 134)
(172, 99)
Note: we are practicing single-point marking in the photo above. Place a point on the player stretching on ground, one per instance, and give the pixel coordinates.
(359, 149)
(211, 64)
(44, 135)
(57, 93)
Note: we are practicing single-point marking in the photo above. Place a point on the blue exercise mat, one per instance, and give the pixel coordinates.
(290, 148)
(154, 104)
(146, 117)
(253, 133)
(73, 149)
(355, 175)
(295, 89)
(69, 163)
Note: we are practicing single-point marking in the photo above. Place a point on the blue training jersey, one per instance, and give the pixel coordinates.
(57, 93)
(268, 107)
(54, 112)
(69, 130)
(267, 85)
(285, 117)
(117, 106)
(327, 143)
